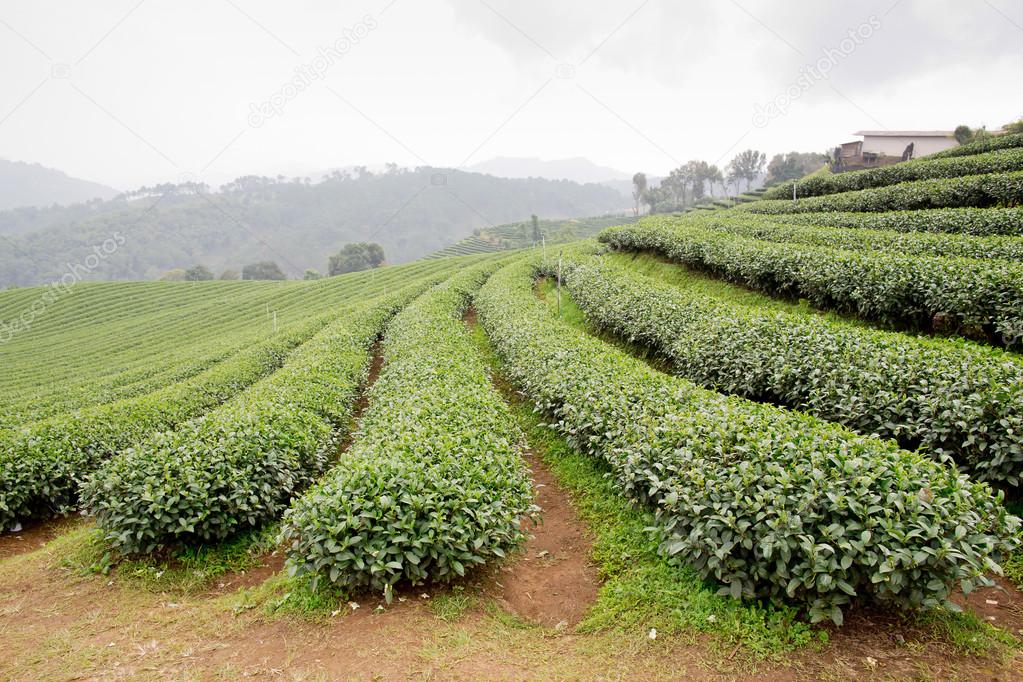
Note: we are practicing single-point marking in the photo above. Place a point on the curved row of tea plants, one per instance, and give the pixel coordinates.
(108, 341)
(765, 228)
(771, 503)
(967, 221)
(434, 484)
(949, 399)
(965, 295)
(988, 144)
(239, 466)
(42, 464)
(926, 168)
(992, 189)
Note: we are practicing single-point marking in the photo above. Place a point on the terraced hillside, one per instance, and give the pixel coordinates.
(788, 427)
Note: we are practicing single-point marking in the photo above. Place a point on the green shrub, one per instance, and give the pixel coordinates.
(992, 189)
(770, 503)
(987, 144)
(42, 464)
(434, 484)
(238, 467)
(971, 221)
(949, 399)
(767, 228)
(968, 295)
(926, 168)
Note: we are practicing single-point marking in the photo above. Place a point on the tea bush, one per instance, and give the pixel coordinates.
(926, 168)
(239, 466)
(960, 400)
(433, 484)
(770, 503)
(963, 294)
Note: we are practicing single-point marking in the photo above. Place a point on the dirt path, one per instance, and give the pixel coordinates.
(553, 582)
(34, 535)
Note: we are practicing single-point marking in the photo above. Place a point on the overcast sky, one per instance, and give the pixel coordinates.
(129, 93)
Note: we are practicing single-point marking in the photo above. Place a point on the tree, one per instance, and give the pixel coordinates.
(175, 275)
(537, 235)
(266, 269)
(746, 166)
(1014, 128)
(639, 187)
(714, 176)
(793, 165)
(355, 257)
(963, 134)
(701, 174)
(198, 273)
(230, 274)
(312, 274)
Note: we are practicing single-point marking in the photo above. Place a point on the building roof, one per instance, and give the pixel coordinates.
(904, 133)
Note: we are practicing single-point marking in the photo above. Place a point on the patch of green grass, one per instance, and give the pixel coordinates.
(450, 606)
(572, 314)
(185, 571)
(698, 283)
(641, 589)
(284, 595)
(509, 621)
(965, 633)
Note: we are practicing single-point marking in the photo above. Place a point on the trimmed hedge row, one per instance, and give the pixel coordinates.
(239, 466)
(992, 189)
(771, 503)
(974, 221)
(964, 294)
(979, 147)
(768, 229)
(949, 399)
(926, 168)
(434, 483)
(42, 464)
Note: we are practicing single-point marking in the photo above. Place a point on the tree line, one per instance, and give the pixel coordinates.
(692, 182)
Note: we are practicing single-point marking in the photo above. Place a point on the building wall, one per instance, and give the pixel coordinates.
(894, 146)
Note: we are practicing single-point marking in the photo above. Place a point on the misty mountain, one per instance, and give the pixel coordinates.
(297, 224)
(29, 184)
(579, 169)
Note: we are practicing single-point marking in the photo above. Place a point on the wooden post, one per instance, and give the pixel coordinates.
(543, 242)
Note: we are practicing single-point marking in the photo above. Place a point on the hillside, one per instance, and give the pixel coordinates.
(782, 430)
(520, 235)
(29, 184)
(410, 213)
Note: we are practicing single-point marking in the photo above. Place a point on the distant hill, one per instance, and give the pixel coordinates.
(577, 170)
(298, 225)
(29, 184)
(520, 235)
